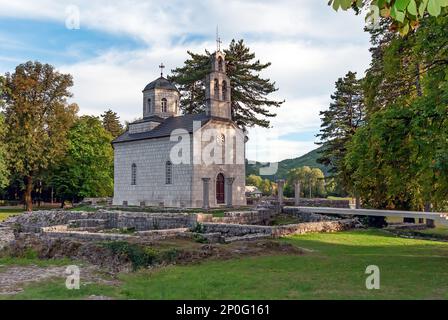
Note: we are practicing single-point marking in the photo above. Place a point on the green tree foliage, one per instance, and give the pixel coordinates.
(399, 158)
(250, 103)
(339, 123)
(87, 169)
(406, 15)
(111, 122)
(254, 180)
(4, 173)
(312, 181)
(264, 185)
(37, 118)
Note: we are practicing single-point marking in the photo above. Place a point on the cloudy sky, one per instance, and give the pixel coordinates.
(119, 44)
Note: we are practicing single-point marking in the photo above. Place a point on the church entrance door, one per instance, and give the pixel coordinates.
(220, 188)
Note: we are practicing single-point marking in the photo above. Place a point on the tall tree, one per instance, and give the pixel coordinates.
(111, 122)
(311, 180)
(87, 168)
(399, 158)
(406, 15)
(339, 123)
(250, 103)
(37, 118)
(4, 173)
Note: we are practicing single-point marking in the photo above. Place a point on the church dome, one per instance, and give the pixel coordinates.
(160, 83)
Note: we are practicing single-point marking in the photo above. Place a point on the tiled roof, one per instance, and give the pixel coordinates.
(166, 127)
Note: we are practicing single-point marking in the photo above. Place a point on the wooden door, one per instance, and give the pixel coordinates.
(220, 188)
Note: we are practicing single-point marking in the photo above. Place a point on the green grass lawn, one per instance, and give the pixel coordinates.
(410, 269)
(5, 213)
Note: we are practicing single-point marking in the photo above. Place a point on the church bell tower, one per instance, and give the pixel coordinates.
(217, 91)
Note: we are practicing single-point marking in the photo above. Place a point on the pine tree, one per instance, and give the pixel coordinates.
(250, 103)
(339, 124)
(111, 122)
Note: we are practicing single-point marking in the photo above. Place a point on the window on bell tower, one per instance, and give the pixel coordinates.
(216, 90)
(224, 90)
(149, 106)
(220, 69)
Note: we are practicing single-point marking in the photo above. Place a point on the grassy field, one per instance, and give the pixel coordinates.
(5, 213)
(333, 269)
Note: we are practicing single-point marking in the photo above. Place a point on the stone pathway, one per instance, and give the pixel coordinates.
(12, 279)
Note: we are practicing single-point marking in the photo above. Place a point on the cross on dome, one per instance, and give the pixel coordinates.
(161, 69)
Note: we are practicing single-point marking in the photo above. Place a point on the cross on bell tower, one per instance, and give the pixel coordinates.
(218, 40)
(161, 69)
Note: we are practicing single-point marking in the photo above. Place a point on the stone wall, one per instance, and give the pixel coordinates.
(303, 202)
(6, 236)
(61, 232)
(33, 222)
(236, 170)
(150, 156)
(307, 216)
(260, 217)
(233, 230)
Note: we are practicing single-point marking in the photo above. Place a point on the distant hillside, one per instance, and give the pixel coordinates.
(309, 159)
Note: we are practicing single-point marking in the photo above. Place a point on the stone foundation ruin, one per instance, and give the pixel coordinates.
(114, 225)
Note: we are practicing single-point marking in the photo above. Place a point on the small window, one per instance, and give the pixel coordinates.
(133, 174)
(216, 89)
(220, 64)
(149, 105)
(168, 172)
(224, 90)
(164, 105)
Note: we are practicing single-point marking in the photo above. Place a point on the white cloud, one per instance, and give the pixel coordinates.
(309, 45)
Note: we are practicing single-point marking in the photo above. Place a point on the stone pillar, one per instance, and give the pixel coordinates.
(205, 193)
(429, 222)
(228, 191)
(296, 192)
(280, 184)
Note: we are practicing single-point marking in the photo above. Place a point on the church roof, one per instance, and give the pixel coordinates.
(160, 83)
(166, 127)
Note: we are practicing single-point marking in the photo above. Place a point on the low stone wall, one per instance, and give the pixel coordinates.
(259, 217)
(307, 216)
(303, 202)
(154, 221)
(6, 236)
(62, 232)
(233, 230)
(88, 223)
(35, 221)
(313, 227)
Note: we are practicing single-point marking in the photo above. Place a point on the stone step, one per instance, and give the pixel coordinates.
(247, 237)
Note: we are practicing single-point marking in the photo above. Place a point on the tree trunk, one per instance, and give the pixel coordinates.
(28, 191)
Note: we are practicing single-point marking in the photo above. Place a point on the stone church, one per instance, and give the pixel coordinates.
(173, 160)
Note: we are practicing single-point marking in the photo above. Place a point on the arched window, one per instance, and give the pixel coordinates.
(164, 105)
(149, 105)
(224, 90)
(168, 172)
(220, 64)
(133, 174)
(216, 89)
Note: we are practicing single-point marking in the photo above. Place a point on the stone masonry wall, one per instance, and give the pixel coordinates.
(260, 217)
(318, 203)
(150, 156)
(233, 230)
(34, 221)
